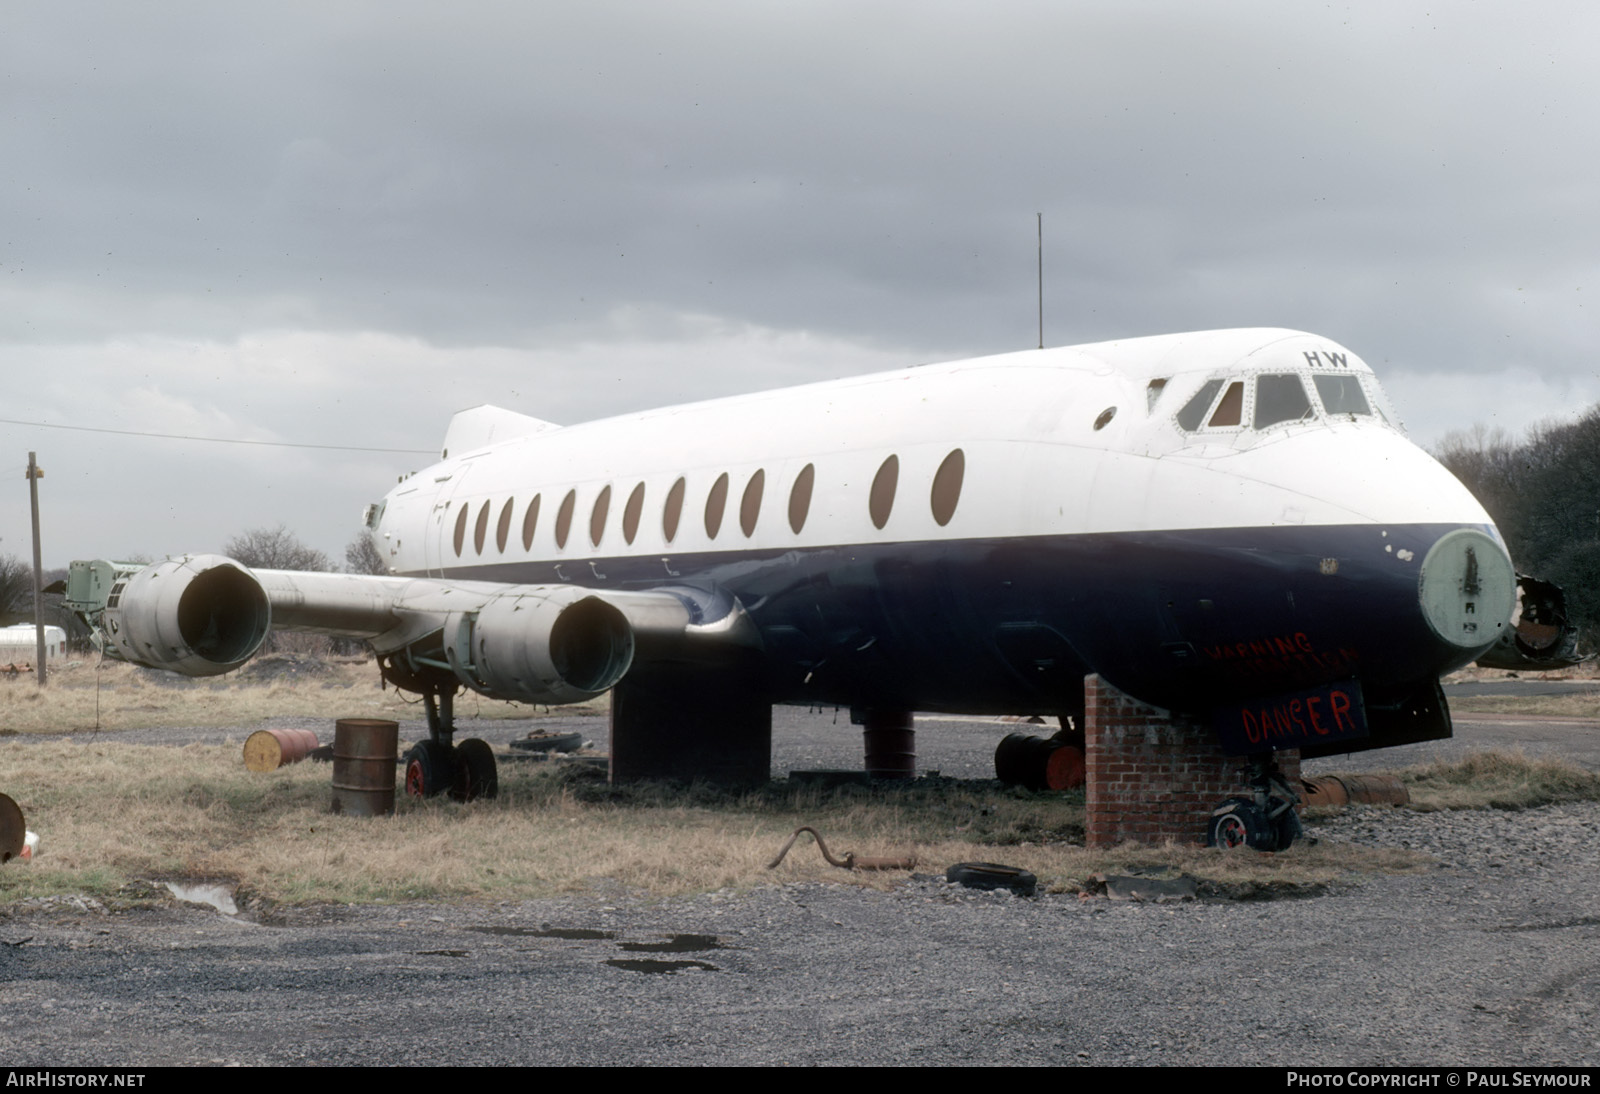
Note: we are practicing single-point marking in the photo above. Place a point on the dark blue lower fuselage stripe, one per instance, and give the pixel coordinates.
(1182, 619)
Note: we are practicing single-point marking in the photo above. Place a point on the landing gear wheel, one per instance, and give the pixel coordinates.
(1239, 822)
(476, 776)
(1286, 828)
(430, 769)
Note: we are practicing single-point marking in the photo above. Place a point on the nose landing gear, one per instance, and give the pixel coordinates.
(1265, 821)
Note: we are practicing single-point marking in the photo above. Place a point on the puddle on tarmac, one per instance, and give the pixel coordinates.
(202, 892)
(675, 943)
(576, 934)
(440, 953)
(648, 964)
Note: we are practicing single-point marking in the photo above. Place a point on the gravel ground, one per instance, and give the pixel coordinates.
(1492, 957)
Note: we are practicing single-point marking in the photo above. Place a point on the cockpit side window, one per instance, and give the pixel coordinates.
(1341, 394)
(1281, 397)
(1230, 411)
(1194, 411)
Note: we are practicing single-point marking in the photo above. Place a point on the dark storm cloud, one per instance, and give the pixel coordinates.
(486, 173)
(574, 210)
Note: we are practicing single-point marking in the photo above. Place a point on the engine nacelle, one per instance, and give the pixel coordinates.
(560, 645)
(200, 615)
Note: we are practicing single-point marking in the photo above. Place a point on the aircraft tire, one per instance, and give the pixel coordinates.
(990, 875)
(476, 775)
(1239, 822)
(1286, 829)
(430, 769)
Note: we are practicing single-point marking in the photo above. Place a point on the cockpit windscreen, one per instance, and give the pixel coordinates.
(1341, 394)
(1281, 397)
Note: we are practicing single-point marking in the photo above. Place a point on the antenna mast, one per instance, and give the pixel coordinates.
(1040, 217)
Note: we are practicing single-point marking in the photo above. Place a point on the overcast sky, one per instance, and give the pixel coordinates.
(337, 223)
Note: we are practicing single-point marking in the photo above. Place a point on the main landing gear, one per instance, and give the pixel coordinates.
(1266, 820)
(466, 771)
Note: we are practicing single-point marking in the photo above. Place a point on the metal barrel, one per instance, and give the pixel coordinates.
(1064, 769)
(1362, 789)
(1323, 790)
(1038, 763)
(364, 752)
(891, 744)
(13, 829)
(270, 749)
(1376, 789)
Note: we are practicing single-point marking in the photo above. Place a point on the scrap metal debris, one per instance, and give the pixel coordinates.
(851, 860)
(1543, 637)
(1159, 886)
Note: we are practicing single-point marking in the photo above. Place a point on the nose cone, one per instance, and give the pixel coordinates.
(1468, 590)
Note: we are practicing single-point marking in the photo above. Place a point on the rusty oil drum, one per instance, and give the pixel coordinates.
(364, 751)
(1376, 789)
(1339, 790)
(1038, 763)
(270, 749)
(891, 744)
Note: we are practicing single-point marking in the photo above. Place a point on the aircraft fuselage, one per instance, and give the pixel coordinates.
(1199, 518)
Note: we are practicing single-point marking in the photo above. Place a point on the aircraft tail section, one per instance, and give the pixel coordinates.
(484, 425)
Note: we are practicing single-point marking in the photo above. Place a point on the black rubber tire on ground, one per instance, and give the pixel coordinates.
(430, 769)
(476, 774)
(991, 875)
(548, 742)
(1239, 822)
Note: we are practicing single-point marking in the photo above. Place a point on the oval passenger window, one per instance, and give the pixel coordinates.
(597, 515)
(716, 502)
(564, 517)
(480, 529)
(502, 528)
(631, 513)
(750, 504)
(530, 522)
(673, 511)
(947, 486)
(881, 500)
(800, 497)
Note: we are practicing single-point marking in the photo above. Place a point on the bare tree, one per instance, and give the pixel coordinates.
(275, 549)
(279, 549)
(363, 556)
(16, 588)
(1544, 494)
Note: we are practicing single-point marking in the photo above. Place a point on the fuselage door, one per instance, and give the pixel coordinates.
(439, 549)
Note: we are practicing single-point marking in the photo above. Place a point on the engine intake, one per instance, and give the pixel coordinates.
(200, 615)
(557, 646)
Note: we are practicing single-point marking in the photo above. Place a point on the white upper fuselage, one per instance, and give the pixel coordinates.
(1040, 458)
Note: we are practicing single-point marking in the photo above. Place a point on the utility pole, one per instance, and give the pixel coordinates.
(35, 473)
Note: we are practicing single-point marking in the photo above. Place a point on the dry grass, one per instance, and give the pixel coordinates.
(112, 816)
(1561, 706)
(114, 696)
(1499, 780)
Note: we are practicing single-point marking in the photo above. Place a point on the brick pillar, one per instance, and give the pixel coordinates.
(1152, 775)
